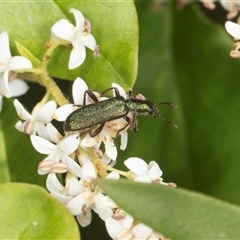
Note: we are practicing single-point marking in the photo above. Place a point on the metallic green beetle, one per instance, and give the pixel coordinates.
(100, 112)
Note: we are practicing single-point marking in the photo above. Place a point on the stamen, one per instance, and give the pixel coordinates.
(96, 52)
(46, 165)
(87, 25)
(59, 167)
(119, 215)
(84, 209)
(27, 127)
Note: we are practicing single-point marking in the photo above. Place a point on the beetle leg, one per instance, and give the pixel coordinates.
(91, 95)
(130, 94)
(97, 131)
(118, 132)
(133, 121)
(112, 88)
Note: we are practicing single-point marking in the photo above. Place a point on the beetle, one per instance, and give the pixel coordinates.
(100, 112)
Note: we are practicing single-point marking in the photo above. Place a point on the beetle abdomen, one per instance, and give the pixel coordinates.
(95, 114)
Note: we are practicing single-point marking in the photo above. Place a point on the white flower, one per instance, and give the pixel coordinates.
(143, 172)
(233, 29)
(35, 122)
(58, 152)
(8, 65)
(78, 36)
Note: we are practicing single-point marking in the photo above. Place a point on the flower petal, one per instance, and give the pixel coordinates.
(53, 184)
(20, 126)
(44, 114)
(52, 132)
(19, 62)
(88, 172)
(127, 221)
(4, 84)
(22, 113)
(43, 146)
(111, 149)
(124, 140)
(136, 165)
(107, 202)
(113, 227)
(74, 187)
(69, 144)
(62, 112)
(78, 89)
(233, 29)
(141, 231)
(142, 178)
(103, 212)
(88, 141)
(79, 18)
(18, 87)
(85, 219)
(87, 40)
(113, 175)
(154, 171)
(76, 204)
(62, 198)
(73, 167)
(77, 55)
(5, 54)
(63, 29)
(37, 128)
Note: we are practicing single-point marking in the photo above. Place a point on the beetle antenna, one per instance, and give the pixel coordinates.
(165, 120)
(168, 103)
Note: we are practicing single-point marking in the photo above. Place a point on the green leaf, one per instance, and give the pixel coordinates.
(114, 26)
(26, 53)
(29, 212)
(176, 213)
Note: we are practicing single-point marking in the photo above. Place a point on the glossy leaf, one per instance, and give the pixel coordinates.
(176, 213)
(33, 214)
(117, 35)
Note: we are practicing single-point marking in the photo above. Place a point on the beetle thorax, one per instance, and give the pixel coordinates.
(142, 107)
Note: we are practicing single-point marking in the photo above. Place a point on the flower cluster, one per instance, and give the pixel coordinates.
(80, 155)
(81, 158)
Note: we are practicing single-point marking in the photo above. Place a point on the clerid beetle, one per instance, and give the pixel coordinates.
(95, 115)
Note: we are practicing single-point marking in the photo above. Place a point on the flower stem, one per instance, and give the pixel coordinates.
(52, 87)
(116, 170)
